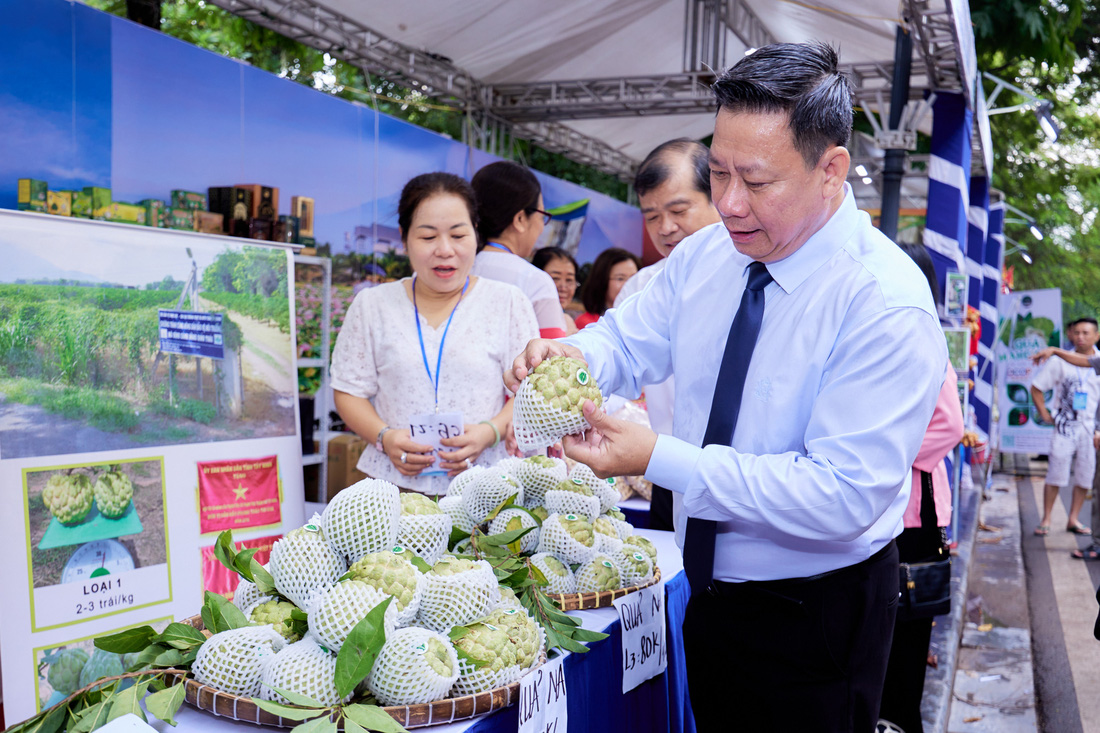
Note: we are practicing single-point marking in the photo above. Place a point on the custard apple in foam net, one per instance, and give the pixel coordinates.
(572, 496)
(246, 594)
(526, 636)
(303, 562)
(424, 528)
(569, 537)
(488, 491)
(102, 664)
(303, 667)
(548, 403)
(363, 518)
(336, 611)
(634, 565)
(623, 527)
(538, 474)
(415, 665)
(232, 661)
(616, 513)
(512, 519)
(68, 497)
(508, 599)
(460, 518)
(488, 644)
(464, 479)
(113, 492)
(642, 544)
(392, 572)
(273, 612)
(65, 668)
(600, 574)
(607, 536)
(559, 576)
(541, 512)
(457, 591)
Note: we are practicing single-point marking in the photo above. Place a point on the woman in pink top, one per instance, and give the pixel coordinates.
(904, 686)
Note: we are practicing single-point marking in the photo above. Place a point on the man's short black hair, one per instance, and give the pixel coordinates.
(1086, 319)
(658, 165)
(801, 80)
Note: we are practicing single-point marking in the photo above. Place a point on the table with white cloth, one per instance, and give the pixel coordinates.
(593, 679)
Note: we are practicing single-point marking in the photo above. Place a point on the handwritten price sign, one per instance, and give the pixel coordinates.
(643, 618)
(431, 428)
(543, 707)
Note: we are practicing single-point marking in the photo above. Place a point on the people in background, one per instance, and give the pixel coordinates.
(562, 269)
(511, 216)
(903, 689)
(612, 268)
(673, 188)
(429, 345)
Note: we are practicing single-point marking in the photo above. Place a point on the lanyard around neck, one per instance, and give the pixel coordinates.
(499, 246)
(420, 335)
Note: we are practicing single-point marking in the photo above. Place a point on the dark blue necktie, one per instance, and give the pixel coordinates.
(699, 540)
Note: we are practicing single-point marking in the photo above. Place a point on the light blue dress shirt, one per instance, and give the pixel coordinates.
(839, 393)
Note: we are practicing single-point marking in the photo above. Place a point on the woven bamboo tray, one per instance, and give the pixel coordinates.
(603, 599)
(439, 712)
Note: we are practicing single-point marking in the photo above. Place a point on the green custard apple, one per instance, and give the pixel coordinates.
(488, 643)
(302, 562)
(68, 497)
(642, 544)
(113, 492)
(521, 630)
(541, 512)
(575, 486)
(578, 528)
(414, 666)
(601, 574)
(565, 383)
(418, 504)
(102, 664)
(303, 667)
(391, 572)
(65, 668)
(276, 613)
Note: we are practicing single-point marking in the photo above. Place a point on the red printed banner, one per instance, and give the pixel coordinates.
(238, 494)
(220, 579)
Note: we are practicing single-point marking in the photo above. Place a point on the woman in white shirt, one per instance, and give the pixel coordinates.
(417, 351)
(510, 220)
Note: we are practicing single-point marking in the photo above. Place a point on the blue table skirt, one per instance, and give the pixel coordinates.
(595, 682)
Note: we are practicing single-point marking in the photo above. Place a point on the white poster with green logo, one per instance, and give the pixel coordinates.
(1030, 320)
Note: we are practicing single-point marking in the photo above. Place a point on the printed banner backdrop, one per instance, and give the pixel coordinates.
(105, 435)
(1030, 320)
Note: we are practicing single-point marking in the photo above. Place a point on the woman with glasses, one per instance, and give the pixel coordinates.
(562, 269)
(609, 273)
(510, 220)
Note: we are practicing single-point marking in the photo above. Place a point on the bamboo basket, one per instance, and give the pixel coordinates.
(603, 599)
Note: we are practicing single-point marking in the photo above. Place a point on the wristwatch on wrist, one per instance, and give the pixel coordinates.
(378, 442)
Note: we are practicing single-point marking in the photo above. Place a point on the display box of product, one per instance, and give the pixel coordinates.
(128, 213)
(209, 222)
(31, 195)
(264, 201)
(286, 229)
(343, 455)
(302, 207)
(154, 212)
(101, 201)
(179, 219)
(59, 203)
(82, 205)
(191, 200)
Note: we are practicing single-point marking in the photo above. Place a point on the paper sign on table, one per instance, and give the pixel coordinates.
(642, 614)
(430, 428)
(543, 705)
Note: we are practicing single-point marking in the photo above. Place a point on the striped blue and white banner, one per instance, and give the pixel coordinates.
(992, 263)
(981, 397)
(945, 231)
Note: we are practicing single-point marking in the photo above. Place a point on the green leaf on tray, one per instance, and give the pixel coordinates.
(128, 701)
(374, 718)
(128, 641)
(419, 563)
(318, 725)
(181, 636)
(357, 655)
(457, 535)
(263, 580)
(224, 550)
(504, 538)
(474, 661)
(92, 718)
(350, 726)
(510, 501)
(223, 615)
(285, 711)
(297, 698)
(166, 703)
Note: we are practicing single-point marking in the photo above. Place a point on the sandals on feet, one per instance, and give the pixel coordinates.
(1092, 552)
(1042, 530)
(1078, 529)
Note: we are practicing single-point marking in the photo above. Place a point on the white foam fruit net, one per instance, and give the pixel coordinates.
(246, 594)
(508, 599)
(487, 492)
(600, 574)
(233, 661)
(607, 489)
(414, 666)
(538, 424)
(458, 599)
(538, 475)
(559, 574)
(392, 573)
(460, 518)
(634, 565)
(570, 502)
(338, 609)
(303, 562)
(472, 680)
(363, 518)
(607, 544)
(305, 668)
(501, 523)
(557, 541)
(425, 534)
(462, 480)
(625, 529)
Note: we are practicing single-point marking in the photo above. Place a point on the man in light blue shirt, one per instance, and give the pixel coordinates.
(840, 387)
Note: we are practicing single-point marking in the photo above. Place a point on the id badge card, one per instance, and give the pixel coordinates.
(1080, 400)
(429, 429)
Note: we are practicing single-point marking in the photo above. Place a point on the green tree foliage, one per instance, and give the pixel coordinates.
(1051, 49)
